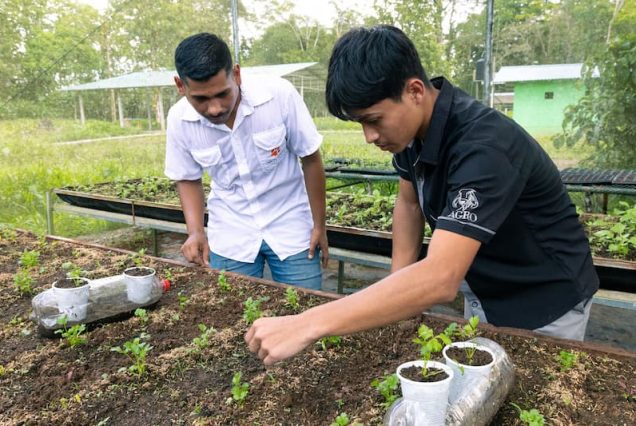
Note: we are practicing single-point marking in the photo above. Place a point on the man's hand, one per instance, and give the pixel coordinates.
(319, 239)
(196, 249)
(278, 338)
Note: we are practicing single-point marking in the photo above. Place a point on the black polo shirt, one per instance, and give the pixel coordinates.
(479, 174)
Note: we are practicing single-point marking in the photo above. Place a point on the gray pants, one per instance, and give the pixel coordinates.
(572, 325)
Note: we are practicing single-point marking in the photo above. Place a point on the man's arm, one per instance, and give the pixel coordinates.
(408, 227)
(401, 295)
(195, 249)
(315, 184)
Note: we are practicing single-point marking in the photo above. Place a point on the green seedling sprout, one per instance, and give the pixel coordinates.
(529, 417)
(468, 332)
(23, 281)
(291, 298)
(136, 350)
(341, 420)
(202, 341)
(142, 314)
(183, 300)
(73, 334)
(239, 390)
(30, 258)
(330, 342)
(252, 309)
(138, 258)
(387, 388)
(222, 281)
(567, 359)
(431, 343)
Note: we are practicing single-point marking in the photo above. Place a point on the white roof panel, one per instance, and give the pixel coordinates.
(511, 74)
(166, 78)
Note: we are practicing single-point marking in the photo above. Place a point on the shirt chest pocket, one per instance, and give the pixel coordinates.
(211, 160)
(270, 146)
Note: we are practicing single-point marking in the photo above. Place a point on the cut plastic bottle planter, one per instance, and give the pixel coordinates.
(139, 283)
(71, 298)
(466, 376)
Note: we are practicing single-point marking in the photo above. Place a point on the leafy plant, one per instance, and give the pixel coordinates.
(239, 390)
(341, 420)
(222, 281)
(329, 342)
(183, 300)
(431, 343)
(387, 388)
(23, 281)
(138, 258)
(202, 341)
(136, 350)
(73, 335)
(628, 392)
(468, 332)
(252, 309)
(142, 314)
(567, 359)
(72, 271)
(30, 258)
(291, 298)
(530, 417)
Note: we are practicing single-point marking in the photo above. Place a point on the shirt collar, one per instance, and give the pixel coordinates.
(430, 145)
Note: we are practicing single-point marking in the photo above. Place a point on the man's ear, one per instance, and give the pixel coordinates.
(180, 85)
(236, 74)
(414, 89)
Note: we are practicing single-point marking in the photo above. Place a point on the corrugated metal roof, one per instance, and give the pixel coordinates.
(511, 74)
(166, 78)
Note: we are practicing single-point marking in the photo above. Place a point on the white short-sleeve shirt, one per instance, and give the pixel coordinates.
(257, 190)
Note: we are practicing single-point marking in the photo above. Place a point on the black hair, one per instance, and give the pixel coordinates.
(369, 65)
(201, 56)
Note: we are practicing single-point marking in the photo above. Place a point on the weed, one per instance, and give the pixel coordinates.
(239, 390)
(73, 335)
(23, 281)
(30, 258)
(252, 309)
(3, 370)
(222, 281)
(530, 417)
(167, 273)
(291, 298)
(387, 388)
(136, 350)
(567, 359)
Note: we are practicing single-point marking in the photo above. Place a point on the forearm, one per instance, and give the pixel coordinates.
(193, 204)
(315, 185)
(408, 230)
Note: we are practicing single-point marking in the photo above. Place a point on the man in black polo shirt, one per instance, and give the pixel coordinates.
(505, 230)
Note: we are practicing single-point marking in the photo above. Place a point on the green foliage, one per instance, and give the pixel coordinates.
(388, 388)
(431, 343)
(183, 300)
(291, 298)
(136, 351)
(329, 342)
(221, 281)
(617, 237)
(138, 257)
(252, 309)
(468, 332)
(341, 419)
(73, 335)
(239, 390)
(530, 417)
(142, 314)
(567, 359)
(202, 342)
(30, 258)
(72, 271)
(23, 281)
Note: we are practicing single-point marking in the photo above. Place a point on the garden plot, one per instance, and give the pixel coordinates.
(194, 368)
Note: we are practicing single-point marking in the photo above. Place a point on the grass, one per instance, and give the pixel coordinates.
(31, 164)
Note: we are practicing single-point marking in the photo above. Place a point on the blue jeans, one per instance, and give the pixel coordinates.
(295, 270)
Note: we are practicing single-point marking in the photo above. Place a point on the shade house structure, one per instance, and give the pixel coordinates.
(160, 79)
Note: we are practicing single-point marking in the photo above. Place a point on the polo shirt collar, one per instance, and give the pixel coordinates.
(432, 142)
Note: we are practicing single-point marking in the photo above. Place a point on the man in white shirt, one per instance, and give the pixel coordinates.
(247, 134)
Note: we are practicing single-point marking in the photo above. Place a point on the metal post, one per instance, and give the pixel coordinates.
(162, 118)
(488, 54)
(121, 110)
(235, 36)
(340, 289)
(81, 110)
(50, 228)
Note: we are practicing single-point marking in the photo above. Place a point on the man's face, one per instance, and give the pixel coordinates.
(217, 98)
(391, 125)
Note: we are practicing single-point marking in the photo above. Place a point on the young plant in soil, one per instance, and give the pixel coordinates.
(182, 299)
(387, 388)
(252, 309)
(23, 282)
(202, 341)
(467, 354)
(291, 298)
(567, 359)
(138, 258)
(30, 259)
(329, 342)
(72, 335)
(142, 314)
(430, 343)
(136, 350)
(221, 281)
(239, 390)
(530, 417)
(73, 272)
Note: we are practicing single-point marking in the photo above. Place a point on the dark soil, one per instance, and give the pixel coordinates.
(461, 356)
(69, 283)
(139, 272)
(432, 374)
(45, 382)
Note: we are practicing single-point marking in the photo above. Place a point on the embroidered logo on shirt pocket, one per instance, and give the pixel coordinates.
(211, 160)
(270, 146)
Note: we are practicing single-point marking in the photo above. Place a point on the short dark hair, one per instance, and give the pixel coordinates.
(202, 56)
(369, 65)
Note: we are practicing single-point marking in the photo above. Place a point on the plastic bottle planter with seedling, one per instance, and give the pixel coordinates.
(239, 390)
(252, 309)
(72, 335)
(425, 383)
(470, 361)
(136, 350)
(72, 297)
(387, 388)
(140, 283)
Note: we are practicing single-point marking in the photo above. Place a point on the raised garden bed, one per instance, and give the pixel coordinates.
(45, 381)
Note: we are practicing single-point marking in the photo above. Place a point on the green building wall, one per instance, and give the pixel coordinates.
(541, 116)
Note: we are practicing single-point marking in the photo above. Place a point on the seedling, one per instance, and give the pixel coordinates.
(23, 281)
(222, 282)
(628, 392)
(239, 390)
(530, 417)
(330, 342)
(136, 350)
(387, 388)
(431, 343)
(72, 271)
(252, 309)
(138, 258)
(142, 314)
(72, 335)
(202, 342)
(567, 359)
(291, 298)
(343, 420)
(183, 300)
(168, 274)
(30, 258)
(468, 332)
